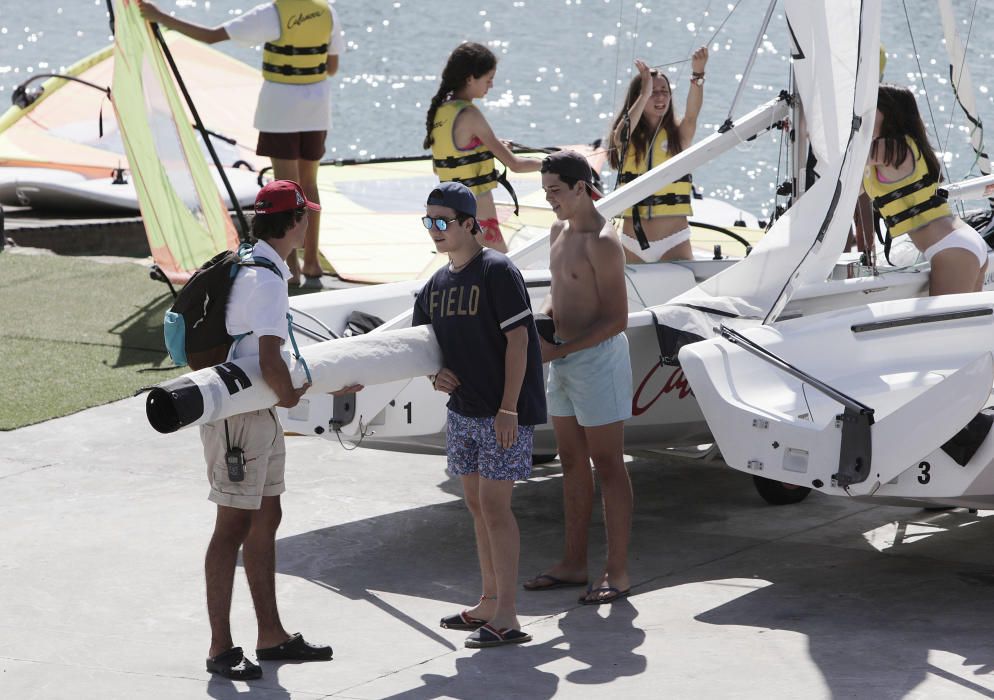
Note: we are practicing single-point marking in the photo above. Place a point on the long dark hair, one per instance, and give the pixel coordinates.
(641, 135)
(468, 60)
(901, 118)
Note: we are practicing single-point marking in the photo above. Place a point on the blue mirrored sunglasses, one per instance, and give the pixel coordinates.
(440, 223)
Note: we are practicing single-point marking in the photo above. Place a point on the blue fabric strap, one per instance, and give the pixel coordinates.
(296, 350)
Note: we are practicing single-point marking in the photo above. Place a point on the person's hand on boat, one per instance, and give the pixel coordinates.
(350, 389)
(445, 381)
(149, 11)
(292, 398)
(699, 59)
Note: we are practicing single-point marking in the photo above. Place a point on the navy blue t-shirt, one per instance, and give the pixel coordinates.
(470, 311)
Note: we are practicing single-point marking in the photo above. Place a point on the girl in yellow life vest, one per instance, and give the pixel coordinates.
(644, 134)
(901, 178)
(462, 143)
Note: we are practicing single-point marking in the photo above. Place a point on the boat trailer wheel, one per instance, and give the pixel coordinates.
(777, 493)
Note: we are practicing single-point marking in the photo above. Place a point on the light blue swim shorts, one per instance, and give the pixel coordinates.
(594, 384)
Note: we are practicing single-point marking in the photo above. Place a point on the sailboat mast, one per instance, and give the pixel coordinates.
(801, 156)
(748, 69)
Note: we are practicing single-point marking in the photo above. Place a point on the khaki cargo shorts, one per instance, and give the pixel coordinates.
(260, 436)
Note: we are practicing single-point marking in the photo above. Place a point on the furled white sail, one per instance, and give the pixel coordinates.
(238, 386)
(835, 58)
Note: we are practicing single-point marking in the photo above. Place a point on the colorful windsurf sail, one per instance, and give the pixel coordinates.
(185, 218)
(70, 125)
(65, 132)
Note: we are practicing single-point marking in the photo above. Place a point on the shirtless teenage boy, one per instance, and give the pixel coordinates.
(590, 376)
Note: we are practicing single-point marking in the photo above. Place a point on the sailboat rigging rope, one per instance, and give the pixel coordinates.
(707, 9)
(693, 39)
(954, 80)
(617, 56)
(635, 32)
(979, 150)
(784, 134)
(921, 77)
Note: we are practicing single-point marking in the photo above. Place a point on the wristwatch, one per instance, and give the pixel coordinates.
(697, 79)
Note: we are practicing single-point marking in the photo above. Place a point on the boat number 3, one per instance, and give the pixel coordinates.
(925, 476)
(407, 407)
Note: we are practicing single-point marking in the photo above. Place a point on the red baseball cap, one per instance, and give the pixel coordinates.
(282, 195)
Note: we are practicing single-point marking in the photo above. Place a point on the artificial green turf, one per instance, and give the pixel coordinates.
(76, 333)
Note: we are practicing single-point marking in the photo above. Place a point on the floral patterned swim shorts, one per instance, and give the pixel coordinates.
(471, 447)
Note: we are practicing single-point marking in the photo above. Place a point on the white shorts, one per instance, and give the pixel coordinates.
(903, 252)
(656, 249)
(962, 236)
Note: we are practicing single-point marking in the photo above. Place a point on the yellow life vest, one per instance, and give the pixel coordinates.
(672, 200)
(473, 167)
(300, 55)
(910, 202)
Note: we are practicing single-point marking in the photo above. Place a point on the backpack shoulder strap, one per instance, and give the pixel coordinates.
(268, 264)
(246, 259)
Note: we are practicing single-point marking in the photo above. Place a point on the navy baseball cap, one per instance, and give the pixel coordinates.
(458, 197)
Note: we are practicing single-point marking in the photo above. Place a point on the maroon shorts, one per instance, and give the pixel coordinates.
(294, 145)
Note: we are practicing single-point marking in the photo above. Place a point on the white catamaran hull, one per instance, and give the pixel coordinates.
(410, 415)
(923, 367)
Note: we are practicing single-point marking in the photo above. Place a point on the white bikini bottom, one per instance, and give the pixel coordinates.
(656, 249)
(962, 236)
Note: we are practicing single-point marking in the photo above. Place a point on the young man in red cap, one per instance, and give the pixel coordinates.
(302, 41)
(589, 389)
(245, 454)
(479, 308)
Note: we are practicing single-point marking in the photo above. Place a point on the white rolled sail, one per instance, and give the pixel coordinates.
(238, 386)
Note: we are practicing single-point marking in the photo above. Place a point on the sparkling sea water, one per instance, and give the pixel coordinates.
(564, 66)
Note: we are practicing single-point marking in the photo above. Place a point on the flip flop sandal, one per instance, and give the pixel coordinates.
(613, 595)
(233, 664)
(553, 582)
(461, 621)
(489, 636)
(294, 649)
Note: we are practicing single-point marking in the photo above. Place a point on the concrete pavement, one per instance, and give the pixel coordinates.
(104, 523)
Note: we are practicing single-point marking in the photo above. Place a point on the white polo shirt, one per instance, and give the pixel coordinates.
(259, 303)
(282, 107)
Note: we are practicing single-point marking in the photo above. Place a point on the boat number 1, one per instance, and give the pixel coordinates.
(923, 478)
(407, 407)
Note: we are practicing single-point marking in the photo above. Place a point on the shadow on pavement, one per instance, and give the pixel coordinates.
(862, 610)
